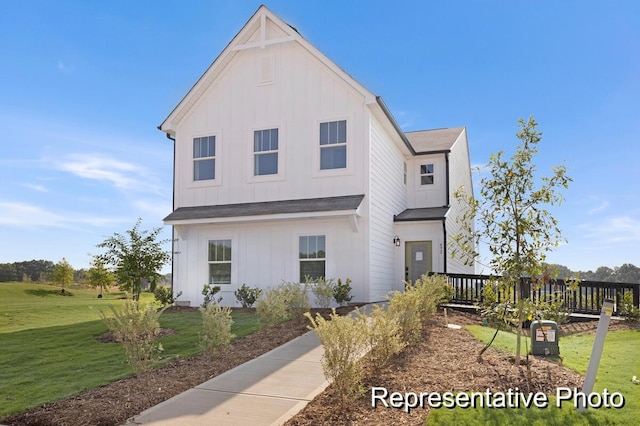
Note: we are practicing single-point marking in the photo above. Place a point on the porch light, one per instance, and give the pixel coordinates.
(396, 241)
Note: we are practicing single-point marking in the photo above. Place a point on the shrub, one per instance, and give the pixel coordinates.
(216, 328)
(323, 291)
(136, 326)
(383, 335)
(247, 296)
(342, 292)
(288, 300)
(271, 307)
(209, 291)
(296, 297)
(432, 290)
(164, 296)
(627, 308)
(344, 340)
(405, 308)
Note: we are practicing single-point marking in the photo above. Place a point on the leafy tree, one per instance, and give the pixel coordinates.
(32, 270)
(62, 273)
(99, 276)
(513, 221)
(135, 257)
(8, 272)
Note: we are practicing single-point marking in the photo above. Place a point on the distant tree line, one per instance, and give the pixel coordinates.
(42, 271)
(627, 273)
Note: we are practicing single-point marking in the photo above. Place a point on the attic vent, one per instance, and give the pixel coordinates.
(264, 71)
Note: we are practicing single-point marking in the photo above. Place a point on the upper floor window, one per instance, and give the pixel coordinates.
(265, 152)
(312, 257)
(204, 158)
(333, 145)
(426, 174)
(219, 262)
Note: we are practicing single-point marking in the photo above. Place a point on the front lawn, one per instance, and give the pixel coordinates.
(49, 350)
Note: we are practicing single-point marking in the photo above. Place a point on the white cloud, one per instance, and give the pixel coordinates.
(124, 176)
(64, 68)
(604, 204)
(23, 215)
(35, 187)
(155, 210)
(616, 229)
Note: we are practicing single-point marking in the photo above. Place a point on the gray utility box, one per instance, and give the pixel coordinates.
(544, 338)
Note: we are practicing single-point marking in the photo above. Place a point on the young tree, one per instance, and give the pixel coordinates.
(99, 275)
(512, 217)
(62, 273)
(135, 257)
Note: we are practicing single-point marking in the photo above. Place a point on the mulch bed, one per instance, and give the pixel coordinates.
(446, 360)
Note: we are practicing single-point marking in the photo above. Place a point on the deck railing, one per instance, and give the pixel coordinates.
(586, 299)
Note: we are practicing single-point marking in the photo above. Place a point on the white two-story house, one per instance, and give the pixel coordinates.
(286, 167)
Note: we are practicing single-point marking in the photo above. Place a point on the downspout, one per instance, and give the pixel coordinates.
(446, 160)
(173, 205)
(444, 219)
(444, 244)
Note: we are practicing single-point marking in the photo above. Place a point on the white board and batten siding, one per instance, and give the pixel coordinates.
(460, 176)
(265, 254)
(388, 197)
(303, 93)
(421, 196)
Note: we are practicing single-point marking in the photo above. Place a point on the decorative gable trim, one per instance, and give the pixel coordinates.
(254, 34)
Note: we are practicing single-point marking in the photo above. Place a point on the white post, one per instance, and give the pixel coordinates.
(596, 352)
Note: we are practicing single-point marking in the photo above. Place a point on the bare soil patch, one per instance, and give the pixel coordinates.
(446, 360)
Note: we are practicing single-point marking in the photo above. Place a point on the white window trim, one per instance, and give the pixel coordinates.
(251, 177)
(317, 171)
(231, 262)
(328, 266)
(420, 174)
(217, 180)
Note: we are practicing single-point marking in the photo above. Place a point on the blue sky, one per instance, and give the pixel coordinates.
(83, 86)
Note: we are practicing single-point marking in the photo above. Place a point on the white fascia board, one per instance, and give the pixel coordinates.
(267, 218)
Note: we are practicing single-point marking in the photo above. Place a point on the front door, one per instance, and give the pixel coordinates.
(418, 259)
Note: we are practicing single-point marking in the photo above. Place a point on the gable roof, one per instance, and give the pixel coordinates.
(346, 204)
(262, 29)
(437, 140)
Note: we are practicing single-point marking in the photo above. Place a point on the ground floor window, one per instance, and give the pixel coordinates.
(220, 262)
(312, 257)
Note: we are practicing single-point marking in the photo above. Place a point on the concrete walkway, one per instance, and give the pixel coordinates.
(267, 390)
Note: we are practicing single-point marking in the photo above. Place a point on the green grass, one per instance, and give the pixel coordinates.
(48, 346)
(620, 361)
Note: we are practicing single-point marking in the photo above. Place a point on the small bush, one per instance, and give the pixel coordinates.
(136, 326)
(209, 291)
(164, 296)
(216, 328)
(345, 341)
(432, 290)
(342, 292)
(323, 291)
(296, 297)
(383, 335)
(627, 309)
(405, 308)
(271, 307)
(288, 300)
(247, 296)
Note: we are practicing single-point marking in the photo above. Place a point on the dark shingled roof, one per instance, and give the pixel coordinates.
(309, 205)
(431, 213)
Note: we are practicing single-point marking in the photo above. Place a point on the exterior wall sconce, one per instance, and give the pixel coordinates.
(396, 241)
